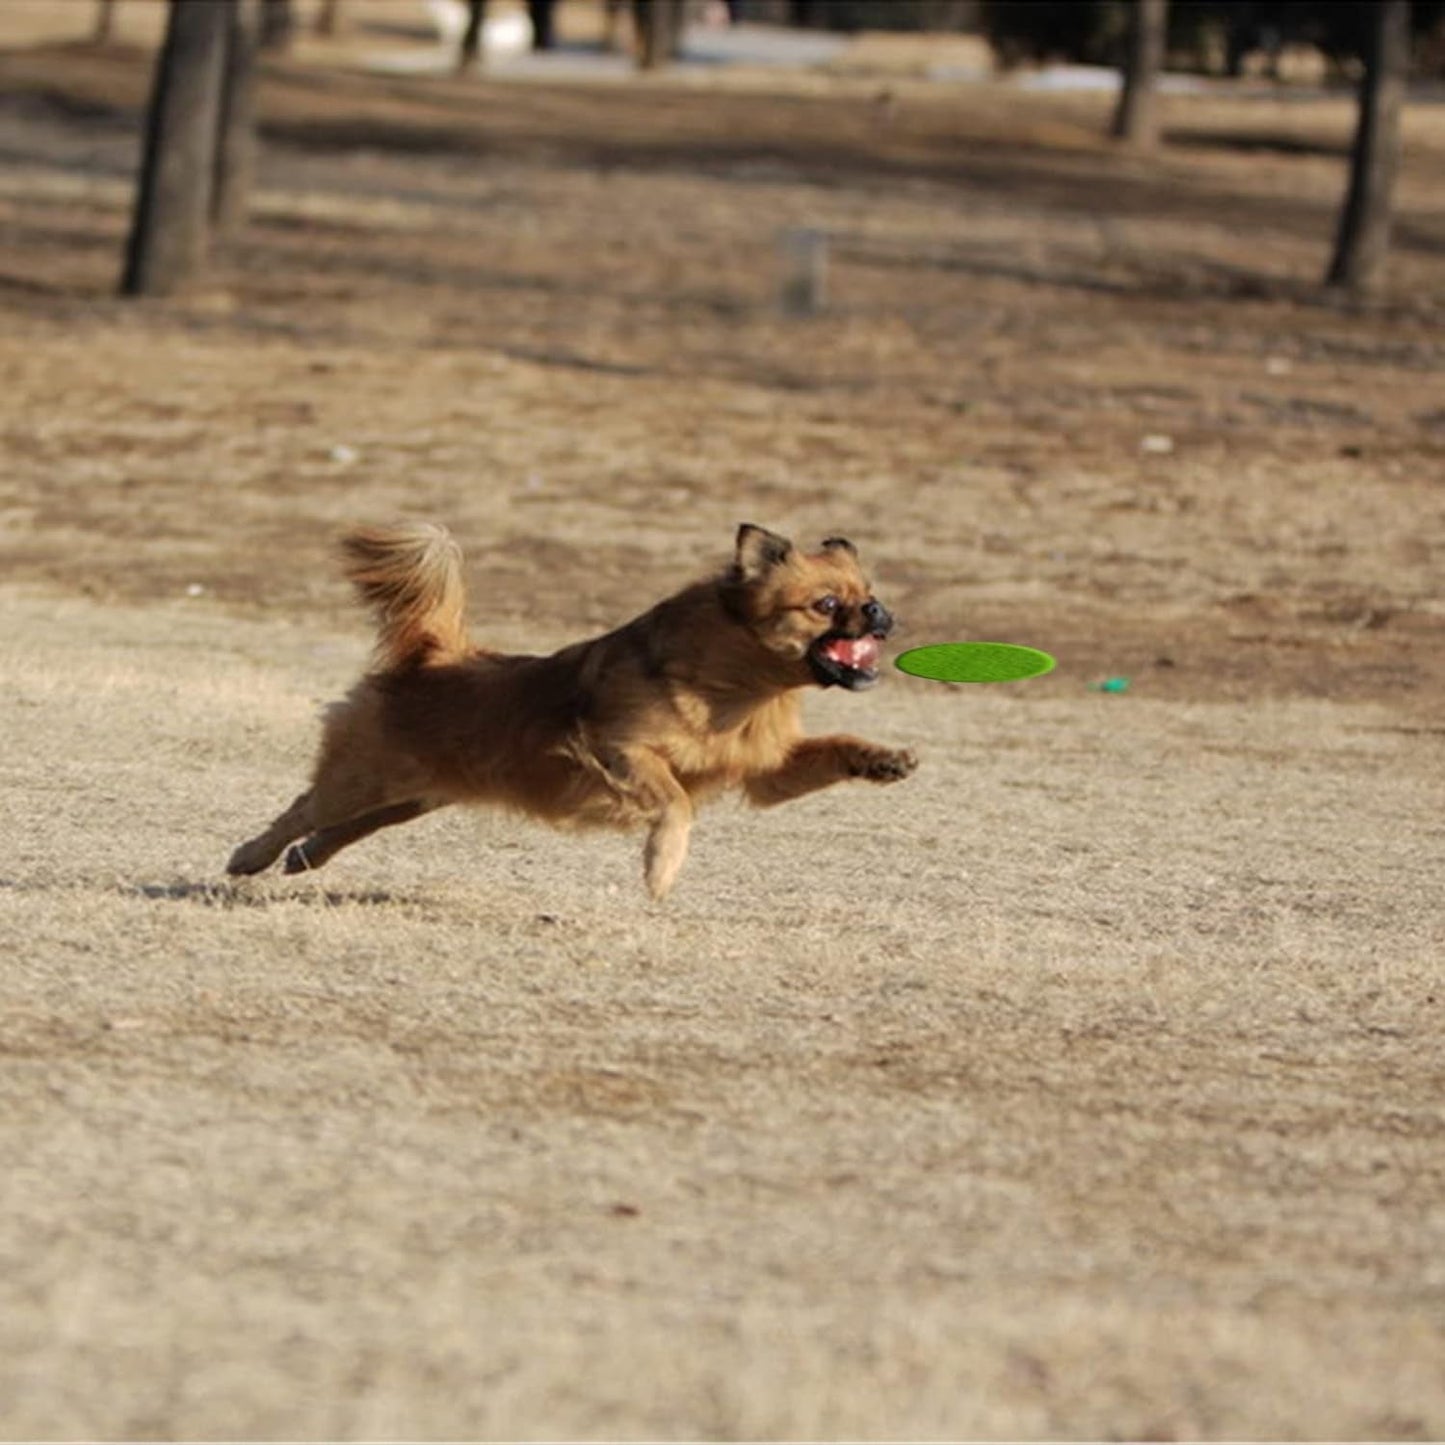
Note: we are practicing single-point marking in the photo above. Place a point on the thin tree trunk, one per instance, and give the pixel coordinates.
(1363, 238)
(278, 25)
(1136, 119)
(471, 51)
(173, 200)
(328, 17)
(659, 31)
(611, 25)
(648, 25)
(104, 22)
(544, 15)
(236, 128)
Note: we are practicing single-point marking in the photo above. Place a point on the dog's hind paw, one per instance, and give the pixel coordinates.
(250, 858)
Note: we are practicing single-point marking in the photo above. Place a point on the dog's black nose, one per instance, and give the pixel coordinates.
(876, 617)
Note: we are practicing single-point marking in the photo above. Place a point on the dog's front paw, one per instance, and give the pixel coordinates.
(884, 765)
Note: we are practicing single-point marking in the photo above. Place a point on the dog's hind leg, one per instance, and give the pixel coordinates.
(325, 843)
(265, 848)
(356, 789)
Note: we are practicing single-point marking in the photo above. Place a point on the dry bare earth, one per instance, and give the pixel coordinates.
(1088, 1084)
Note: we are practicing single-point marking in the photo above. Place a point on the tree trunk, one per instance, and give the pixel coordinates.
(173, 203)
(543, 13)
(1363, 237)
(648, 25)
(659, 31)
(236, 128)
(676, 28)
(328, 17)
(471, 52)
(1136, 118)
(278, 25)
(1238, 42)
(611, 24)
(104, 22)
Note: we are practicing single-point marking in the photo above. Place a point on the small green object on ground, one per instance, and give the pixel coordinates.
(975, 662)
(1110, 684)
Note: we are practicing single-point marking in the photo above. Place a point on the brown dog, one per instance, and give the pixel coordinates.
(635, 728)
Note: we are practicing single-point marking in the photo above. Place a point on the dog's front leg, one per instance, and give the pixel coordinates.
(817, 763)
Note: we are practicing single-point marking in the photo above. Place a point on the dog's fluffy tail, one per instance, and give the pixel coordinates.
(410, 578)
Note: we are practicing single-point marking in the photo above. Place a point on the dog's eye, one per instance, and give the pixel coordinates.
(826, 605)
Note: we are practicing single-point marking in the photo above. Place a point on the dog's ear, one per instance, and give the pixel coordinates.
(829, 543)
(759, 551)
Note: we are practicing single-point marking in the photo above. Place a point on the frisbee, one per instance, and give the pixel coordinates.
(975, 662)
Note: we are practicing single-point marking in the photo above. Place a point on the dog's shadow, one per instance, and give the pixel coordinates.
(227, 894)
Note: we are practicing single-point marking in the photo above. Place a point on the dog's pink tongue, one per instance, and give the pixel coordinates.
(857, 652)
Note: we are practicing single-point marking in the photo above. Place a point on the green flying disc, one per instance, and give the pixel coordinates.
(975, 662)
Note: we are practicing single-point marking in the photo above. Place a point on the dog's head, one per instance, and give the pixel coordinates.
(815, 610)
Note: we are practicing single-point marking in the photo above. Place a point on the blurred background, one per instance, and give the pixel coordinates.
(1087, 1085)
(1071, 310)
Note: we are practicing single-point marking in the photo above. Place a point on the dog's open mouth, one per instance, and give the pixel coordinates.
(850, 662)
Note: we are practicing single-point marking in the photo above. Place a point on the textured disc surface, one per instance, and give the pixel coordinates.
(975, 662)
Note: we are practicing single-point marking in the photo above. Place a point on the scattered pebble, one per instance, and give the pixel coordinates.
(195, 590)
(344, 455)
(1157, 445)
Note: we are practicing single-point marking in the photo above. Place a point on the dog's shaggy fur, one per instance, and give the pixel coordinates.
(635, 728)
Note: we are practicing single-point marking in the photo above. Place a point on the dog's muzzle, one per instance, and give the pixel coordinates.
(840, 660)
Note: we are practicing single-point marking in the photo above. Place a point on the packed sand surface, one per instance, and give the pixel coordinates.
(1087, 1084)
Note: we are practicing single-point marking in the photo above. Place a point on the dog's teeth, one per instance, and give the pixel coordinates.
(856, 652)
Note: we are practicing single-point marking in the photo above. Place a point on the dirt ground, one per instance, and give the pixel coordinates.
(1088, 1084)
